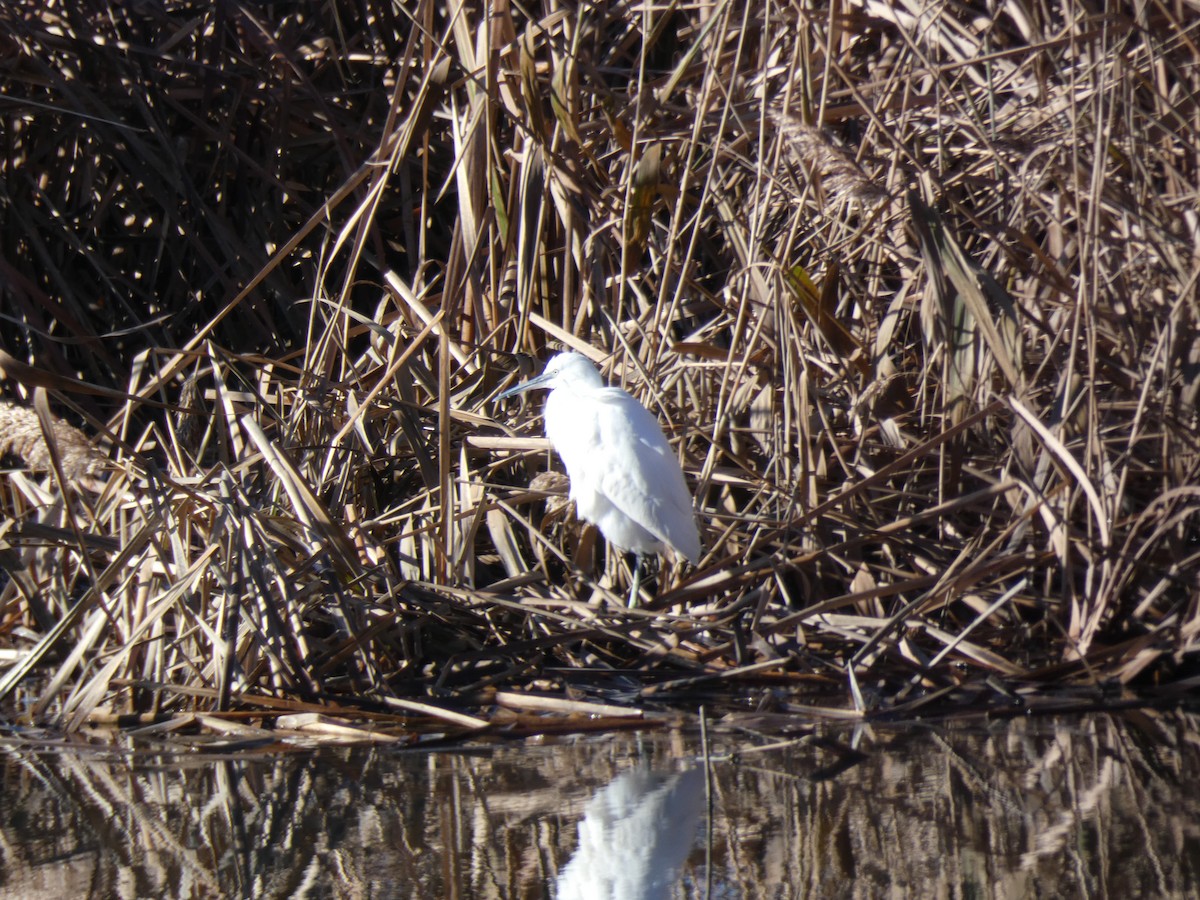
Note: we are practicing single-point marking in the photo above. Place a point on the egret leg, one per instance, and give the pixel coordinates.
(637, 580)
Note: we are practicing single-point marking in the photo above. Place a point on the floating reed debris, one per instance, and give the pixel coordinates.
(950, 458)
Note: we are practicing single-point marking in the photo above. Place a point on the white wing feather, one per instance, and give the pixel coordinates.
(639, 474)
(624, 476)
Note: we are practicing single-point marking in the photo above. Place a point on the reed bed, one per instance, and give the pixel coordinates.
(911, 287)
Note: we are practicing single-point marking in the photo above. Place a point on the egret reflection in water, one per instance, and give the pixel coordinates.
(634, 836)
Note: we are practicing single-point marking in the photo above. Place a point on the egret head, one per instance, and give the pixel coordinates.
(563, 370)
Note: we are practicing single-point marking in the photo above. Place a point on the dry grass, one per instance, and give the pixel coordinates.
(912, 289)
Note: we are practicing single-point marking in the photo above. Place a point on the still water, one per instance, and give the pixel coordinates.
(1099, 806)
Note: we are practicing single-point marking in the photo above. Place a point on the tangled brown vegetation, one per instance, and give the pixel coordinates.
(912, 289)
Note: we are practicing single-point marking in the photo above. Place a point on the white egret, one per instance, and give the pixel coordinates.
(624, 477)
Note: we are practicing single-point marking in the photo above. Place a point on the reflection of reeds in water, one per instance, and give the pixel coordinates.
(1017, 809)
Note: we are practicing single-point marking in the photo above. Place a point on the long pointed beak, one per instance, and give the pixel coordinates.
(539, 381)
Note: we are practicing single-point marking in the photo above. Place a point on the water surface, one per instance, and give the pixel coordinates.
(1102, 805)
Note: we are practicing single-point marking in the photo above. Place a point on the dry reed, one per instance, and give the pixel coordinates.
(912, 289)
